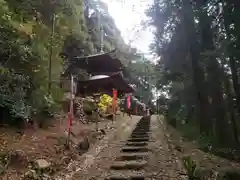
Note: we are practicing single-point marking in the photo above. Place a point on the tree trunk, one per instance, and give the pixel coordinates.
(230, 50)
(214, 74)
(230, 105)
(202, 103)
(231, 110)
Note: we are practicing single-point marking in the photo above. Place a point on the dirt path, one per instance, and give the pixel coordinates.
(95, 163)
(163, 162)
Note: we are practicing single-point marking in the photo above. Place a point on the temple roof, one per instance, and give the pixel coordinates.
(97, 64)
(105, 85)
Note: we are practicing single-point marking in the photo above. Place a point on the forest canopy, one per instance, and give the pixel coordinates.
(37, 39)
(198, 46)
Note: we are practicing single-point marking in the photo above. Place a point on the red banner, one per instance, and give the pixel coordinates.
(129, 101)
(115, 99)
(70, 119)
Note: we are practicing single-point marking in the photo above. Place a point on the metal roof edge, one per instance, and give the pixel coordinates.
(94, 55)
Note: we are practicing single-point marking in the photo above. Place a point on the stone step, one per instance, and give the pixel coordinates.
(139, 136)
(136, 132)
(138, 139)
(128, 165)
(141, 129)
(134, 149)
(142, 126)
(126, 175)
(140, 132)
(136, 144)
(132, 156)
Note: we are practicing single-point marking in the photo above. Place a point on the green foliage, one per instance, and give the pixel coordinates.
(142, 75)
(32, 33)
(89, 106)
(190, 167)
(26, 37)
(4, 162)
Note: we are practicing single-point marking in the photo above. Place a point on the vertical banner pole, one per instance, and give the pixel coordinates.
(114, 104)
(70, 113)
(144, 109)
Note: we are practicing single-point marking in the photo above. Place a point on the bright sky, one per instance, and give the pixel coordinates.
(128, 15)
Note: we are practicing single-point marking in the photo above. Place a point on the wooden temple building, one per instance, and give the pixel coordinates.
(105, 74)
(99, 64)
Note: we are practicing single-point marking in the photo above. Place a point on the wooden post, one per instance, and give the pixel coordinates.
(96, 121)
(114, 104)
(96, 100)
(70, 113)
(50, 56)
(96, 118)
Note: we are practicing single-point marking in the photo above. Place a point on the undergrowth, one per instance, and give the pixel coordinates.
(208, 143)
